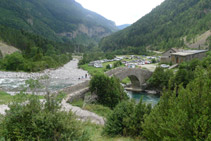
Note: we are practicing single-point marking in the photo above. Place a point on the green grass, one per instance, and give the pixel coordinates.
(126, 80)
(96, 131)
(92, 70)
(98, 109)
(95, 108)
(6, 98)
(78, 103)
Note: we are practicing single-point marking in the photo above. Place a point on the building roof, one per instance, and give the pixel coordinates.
(188, 52)
(174, 49)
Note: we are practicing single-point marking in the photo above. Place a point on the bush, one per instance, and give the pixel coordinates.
(117, 64)
(127, 119)
(109, 90)
(118, 122)
(108, 67)
(37, 121)
(183, 116)
(160, 78)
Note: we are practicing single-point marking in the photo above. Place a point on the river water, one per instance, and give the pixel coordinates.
(147, 98)
(62, 77)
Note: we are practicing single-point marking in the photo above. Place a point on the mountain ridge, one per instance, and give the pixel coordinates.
(52, 19)
(164, 27)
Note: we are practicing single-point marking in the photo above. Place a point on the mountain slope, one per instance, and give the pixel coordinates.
(120, 27)
(59, 20)
(164, 27)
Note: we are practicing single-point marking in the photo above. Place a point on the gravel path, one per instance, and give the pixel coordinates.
(81, 114)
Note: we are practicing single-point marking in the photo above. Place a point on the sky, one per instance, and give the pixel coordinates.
(121, 11)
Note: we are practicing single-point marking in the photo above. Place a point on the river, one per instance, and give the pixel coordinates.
(147, 98)
(67, 75)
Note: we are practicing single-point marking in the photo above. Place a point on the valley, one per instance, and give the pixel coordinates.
(69, 73)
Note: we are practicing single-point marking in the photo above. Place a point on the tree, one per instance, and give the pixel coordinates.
(127, 119)
(117, 64)
(183, 116)
(109, 90)
(118, 122)
(14, 62)
(160, 78)
(36, 120)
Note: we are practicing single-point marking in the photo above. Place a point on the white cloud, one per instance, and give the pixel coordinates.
(121, 11)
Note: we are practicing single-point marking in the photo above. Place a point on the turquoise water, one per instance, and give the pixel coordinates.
(147, 98)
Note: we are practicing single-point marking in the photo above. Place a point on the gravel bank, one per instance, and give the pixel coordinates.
(62, 77)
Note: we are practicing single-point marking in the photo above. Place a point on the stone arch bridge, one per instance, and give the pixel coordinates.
(137, 76)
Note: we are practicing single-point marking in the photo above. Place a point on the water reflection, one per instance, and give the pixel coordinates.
(147, 98)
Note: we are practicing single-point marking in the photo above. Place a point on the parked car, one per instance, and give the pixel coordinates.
(164, 66)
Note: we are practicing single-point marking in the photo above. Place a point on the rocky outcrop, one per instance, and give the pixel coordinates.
(95, 31)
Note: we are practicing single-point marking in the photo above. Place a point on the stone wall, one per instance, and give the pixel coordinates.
(76, 87)
(138, 78)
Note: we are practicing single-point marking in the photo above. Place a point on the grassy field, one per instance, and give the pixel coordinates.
(7, 98)
(96, 132)
(126, 81)
(92, 70)
(95, 108)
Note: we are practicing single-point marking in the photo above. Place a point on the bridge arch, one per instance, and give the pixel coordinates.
(137, 76)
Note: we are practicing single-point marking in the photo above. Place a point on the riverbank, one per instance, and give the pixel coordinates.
(64, 76)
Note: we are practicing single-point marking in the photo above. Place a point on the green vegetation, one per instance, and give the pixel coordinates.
(164, 27)
(127, 119)
(95, 108)
(95, 132)
(185, 115)
(93, 56)
(126, 80)
(109, 90)
(184, 75)
(6, 98)
(160, 78)
(37, 53)
(38, 121)
(51, 18)
(92, 70)
(117, 64)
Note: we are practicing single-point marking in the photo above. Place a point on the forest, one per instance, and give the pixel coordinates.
(53, 19)
(36, 53)
(164, 27)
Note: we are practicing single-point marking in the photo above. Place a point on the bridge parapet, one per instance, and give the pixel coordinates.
(113, 71)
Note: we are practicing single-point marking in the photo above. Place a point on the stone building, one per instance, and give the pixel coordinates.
(187, 55)
(166, 56)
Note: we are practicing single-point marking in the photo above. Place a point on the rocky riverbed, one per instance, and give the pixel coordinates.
(59, 78)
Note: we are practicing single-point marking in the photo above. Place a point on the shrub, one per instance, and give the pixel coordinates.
(109, 90)
(117, 64)
(118, 122)
(127, 119)
(37, 121)
(160, 78)
(183, 117)
(108, 67)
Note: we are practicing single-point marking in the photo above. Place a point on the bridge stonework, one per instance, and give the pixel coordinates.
(137, 76)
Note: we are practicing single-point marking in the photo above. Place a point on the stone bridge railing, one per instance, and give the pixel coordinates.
(76, 87)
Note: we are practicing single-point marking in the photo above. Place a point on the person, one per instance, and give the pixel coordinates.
(79, 78)
(85, 75)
